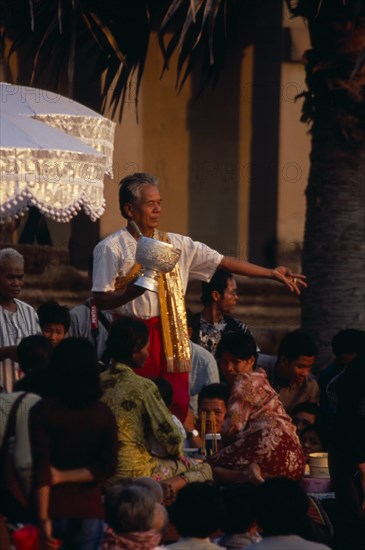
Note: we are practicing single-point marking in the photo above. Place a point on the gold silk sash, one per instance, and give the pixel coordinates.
(172, 311)
(173, 318)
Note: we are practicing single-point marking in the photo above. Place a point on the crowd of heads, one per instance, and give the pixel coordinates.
(278, 507)
(68, 370)
(73, 369)
(74, 362)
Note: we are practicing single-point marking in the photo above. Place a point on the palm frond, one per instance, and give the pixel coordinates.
(105, 29)
(196, 32)
(117, 33)
(118, 30)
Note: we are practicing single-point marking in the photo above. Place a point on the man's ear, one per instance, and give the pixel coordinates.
(128, 210)
(215, 295)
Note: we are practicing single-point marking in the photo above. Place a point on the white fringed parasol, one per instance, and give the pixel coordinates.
(47, 168)
(62, 113)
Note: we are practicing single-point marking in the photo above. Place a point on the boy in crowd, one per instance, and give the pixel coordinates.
(54, 321)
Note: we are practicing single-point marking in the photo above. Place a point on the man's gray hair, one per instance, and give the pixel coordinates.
(131, 186)
(7, 254)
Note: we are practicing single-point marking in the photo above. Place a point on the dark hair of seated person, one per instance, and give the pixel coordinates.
(52, 312)
(74, 373)
(348, 341)
(281, 508)
(238, 344)
(34, 353)
(214, 391)
(126, 336)
(295, 344)
(197, 510)
(239, 512)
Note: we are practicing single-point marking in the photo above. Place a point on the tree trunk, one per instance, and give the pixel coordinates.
(334, 249)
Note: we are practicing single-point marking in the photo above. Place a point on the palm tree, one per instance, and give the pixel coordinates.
(334, 105)
(116, 35)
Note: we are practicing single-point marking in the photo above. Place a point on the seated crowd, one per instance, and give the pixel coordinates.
(100, 461)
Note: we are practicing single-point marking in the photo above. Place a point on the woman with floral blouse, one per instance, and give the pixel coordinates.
(260, 440)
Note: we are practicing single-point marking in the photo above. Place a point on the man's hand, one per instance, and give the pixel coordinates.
(294, 281)
(116, 298)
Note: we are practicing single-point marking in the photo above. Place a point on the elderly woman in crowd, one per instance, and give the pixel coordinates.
(259, 437)
(136, 519)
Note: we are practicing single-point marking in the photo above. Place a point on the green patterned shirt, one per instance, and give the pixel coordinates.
(140, 412)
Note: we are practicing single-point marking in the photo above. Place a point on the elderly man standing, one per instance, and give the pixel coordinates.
(115, 271)
(17, 319)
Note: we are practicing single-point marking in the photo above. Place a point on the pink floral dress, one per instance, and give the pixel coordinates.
(260, 431)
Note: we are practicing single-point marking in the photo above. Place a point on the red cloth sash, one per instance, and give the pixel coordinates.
(156, 367)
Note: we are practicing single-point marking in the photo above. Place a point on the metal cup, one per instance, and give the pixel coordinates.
(155, 257)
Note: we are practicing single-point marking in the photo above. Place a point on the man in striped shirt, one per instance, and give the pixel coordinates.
(17, 319)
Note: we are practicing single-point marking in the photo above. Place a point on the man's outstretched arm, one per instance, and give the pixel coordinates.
(294, 281)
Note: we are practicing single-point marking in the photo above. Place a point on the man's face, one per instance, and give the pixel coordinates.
(302, 420)
(226, 301)
(146, 211)
(54, 332)
(11, 279)
(297, 370)
(230, 366)
(218, 407)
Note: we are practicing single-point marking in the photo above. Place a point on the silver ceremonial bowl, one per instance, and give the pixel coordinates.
(155, 257)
